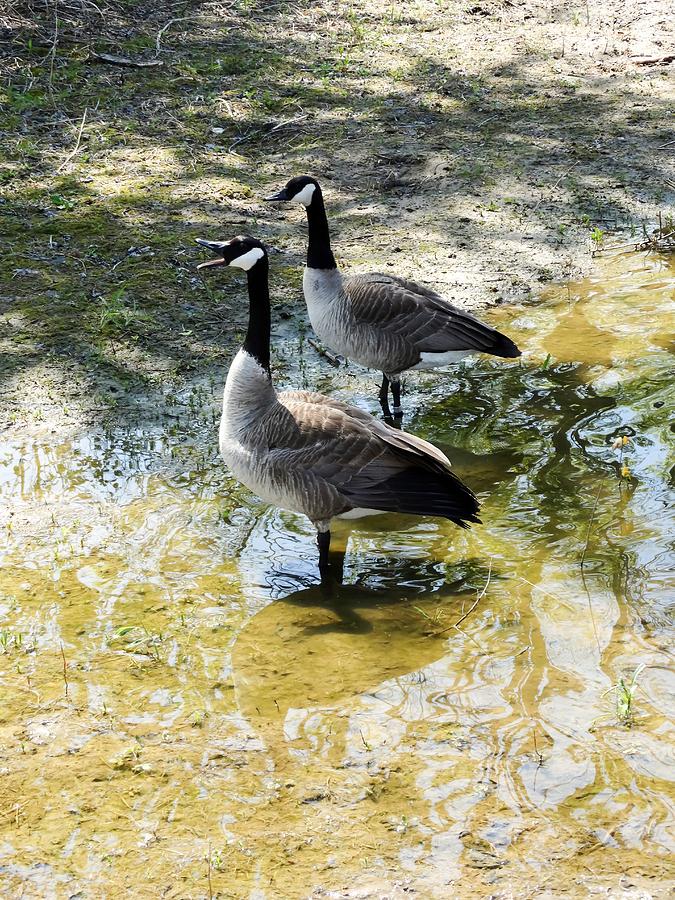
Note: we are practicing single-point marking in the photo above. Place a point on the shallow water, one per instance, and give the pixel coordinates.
(185, 713)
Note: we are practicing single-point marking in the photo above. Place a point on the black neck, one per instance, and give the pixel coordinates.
(257, 342)
(319, 254)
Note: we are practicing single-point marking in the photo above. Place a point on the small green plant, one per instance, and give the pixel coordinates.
(435, 619)
(597, 236)
(61, 202)
(10, 640)
(137, 639)
(116, 315)
(218, 860)
(358, 29)
(624, 692)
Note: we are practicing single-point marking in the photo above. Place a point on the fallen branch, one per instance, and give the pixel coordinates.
(653, 60)
(124, 60)
(332, 359)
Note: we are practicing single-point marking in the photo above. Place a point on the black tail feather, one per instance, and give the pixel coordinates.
(504, 346)
(462, 331)
(424, 493)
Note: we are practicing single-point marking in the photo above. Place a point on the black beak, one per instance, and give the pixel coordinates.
(273, 198)
(215, 247)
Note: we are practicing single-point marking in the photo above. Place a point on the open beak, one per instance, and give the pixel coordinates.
(281, 195)
(215, 247)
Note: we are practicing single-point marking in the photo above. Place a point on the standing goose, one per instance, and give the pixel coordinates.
(317, 456)
(382, 321)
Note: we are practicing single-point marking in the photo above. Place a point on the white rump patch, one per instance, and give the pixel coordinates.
(434, 360)
(247, 260)
(360, 513)
(305, 195)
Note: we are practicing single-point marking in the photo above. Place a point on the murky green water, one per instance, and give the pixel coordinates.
(214, 706)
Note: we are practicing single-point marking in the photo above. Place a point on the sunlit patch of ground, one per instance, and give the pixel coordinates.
(484, 149)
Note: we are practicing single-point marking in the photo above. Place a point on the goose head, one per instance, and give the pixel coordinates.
(242, 252)
(300, 189)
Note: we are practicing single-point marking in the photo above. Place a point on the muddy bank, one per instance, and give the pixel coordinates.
(483, 149)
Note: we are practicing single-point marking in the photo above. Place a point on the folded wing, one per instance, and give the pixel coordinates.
(421, 317)
(348, 453)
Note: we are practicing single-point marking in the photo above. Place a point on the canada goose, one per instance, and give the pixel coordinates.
(314, 455)
(382, 321)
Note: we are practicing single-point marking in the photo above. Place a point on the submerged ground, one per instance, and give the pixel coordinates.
(183, 715)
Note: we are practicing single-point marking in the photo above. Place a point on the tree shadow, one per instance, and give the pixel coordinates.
(104, 285)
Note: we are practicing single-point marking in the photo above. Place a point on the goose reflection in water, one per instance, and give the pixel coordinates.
(322, 645)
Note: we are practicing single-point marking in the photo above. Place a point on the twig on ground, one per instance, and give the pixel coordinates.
(124, 60)
(287, 122)
(77, 143)
(564, 175)
(65, 668)
(161, 31)
(332, 359)
(653, 60)
(256, 131)
(52, 52)
(489, 119)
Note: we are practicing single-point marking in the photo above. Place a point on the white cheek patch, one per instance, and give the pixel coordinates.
(305, 195)
(247, 260)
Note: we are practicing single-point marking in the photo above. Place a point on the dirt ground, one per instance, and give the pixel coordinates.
(484, 148)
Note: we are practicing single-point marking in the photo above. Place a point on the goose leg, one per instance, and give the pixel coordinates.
(396, 393)
(384, 395)
(330, 570)
(323, 540)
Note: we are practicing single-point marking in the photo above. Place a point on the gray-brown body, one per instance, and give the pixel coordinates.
(315, 455)
(392, 324)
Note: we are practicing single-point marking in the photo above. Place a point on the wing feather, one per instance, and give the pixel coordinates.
(369, 464)
(398, 307)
